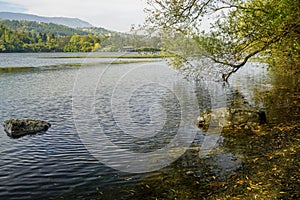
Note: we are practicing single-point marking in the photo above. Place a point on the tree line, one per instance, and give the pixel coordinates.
(21, 41)
(41, 27)
(25, 36)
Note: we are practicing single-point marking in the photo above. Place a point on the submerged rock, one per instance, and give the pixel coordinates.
(19, 127)
(231, 118)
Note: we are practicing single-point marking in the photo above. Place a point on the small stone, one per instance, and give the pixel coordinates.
(19, 127)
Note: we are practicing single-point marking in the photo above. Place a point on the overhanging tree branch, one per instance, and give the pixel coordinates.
(245, 29)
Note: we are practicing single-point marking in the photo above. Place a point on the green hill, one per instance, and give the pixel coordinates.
(70, 22)
(40, 27)
(29, 36)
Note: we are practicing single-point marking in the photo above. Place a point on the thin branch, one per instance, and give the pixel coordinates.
(238, 66)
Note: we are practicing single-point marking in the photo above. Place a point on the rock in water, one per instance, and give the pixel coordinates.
(230, 118)
(19, 127)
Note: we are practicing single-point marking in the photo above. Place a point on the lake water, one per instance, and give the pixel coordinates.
(114, 126)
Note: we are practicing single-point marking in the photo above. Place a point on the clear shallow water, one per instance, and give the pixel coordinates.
(63, 162)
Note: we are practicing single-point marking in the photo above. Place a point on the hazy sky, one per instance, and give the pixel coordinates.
(111, 14)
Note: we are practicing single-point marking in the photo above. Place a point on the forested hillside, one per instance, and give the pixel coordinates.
(28, 36)
(23, 41)
(66, 21)
(40, 27)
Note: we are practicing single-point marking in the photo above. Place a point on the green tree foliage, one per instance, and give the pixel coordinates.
(40, 27)
(96, 31)
(241, 30)
(23, 36)
(85, 43)
(18, 41)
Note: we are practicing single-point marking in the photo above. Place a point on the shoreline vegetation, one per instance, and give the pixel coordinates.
(24, 36)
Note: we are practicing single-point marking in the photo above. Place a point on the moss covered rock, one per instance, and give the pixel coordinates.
(19, 127)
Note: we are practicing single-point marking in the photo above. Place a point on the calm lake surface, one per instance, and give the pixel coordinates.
(138, 106)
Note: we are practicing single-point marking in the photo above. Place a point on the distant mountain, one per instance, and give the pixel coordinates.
(70, 22)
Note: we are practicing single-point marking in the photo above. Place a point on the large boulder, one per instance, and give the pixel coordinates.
(231, 118)
(19, 127)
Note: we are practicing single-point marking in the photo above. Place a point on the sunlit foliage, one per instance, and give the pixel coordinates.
(240, 30)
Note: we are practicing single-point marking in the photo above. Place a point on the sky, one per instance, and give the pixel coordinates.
(117, 15)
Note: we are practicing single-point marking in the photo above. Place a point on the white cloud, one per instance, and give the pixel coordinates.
(111, 14)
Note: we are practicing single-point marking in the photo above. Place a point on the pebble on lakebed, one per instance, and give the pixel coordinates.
(16, 128)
